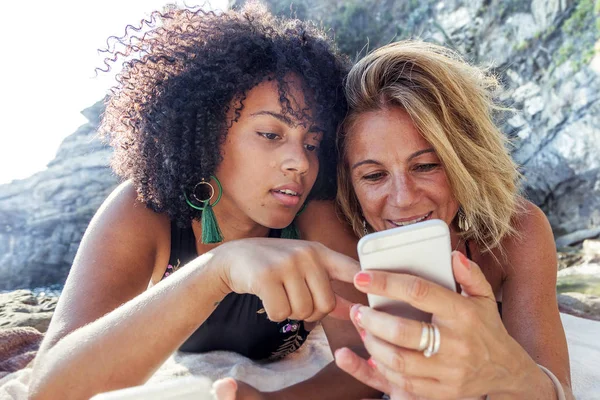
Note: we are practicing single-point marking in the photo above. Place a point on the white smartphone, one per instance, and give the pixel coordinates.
(422, 249)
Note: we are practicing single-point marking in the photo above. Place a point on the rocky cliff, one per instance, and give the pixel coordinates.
(43, 217)
(545, 52)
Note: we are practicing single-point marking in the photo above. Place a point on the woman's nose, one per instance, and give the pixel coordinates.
(404, 192)
(295, 159)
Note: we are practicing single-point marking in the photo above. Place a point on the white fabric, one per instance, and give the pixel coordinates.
(298, 366)
(583, 339)
(582, 336)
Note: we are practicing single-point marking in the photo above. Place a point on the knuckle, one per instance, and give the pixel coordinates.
(277, 317)
(380, 281)
(407, 385)
(304, 313)
(398, 362)
(399, 333)
(311, 249)
(313, 317)
(317, 247)
(328, 305)
(462, 349)
(418, 289)
(278, 314)
(297, 254)
(316, 317)
(469, 315)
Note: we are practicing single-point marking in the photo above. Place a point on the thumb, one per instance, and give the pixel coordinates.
(342, 308)
(469, 276)
(225, 389)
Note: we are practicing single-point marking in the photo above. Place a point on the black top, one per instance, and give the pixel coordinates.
(239, 323)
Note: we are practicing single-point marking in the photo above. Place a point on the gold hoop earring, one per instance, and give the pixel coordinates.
(210, 229)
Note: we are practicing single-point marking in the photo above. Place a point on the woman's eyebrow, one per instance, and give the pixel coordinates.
(316, 129)
(363, 162)
(420, 152)
(415, 154)
(283, 118)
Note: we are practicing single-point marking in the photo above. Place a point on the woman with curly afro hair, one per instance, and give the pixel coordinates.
(223, 126)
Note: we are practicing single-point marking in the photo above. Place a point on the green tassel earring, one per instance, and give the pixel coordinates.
(210, 229)
(291, 231)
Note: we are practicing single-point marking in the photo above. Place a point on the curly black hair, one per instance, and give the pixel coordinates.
(167, 116)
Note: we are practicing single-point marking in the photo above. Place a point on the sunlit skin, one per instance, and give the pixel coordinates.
(266, 150)
(399, 179)
(395, 172)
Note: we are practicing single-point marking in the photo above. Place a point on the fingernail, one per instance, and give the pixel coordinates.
(464, 261)
(362, 279)
(358, 317)
(372, 363)
(363, 335)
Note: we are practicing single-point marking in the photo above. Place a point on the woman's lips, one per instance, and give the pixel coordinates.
(411, 220)
(287, 200)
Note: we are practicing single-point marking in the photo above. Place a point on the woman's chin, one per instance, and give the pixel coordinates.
(279, 223)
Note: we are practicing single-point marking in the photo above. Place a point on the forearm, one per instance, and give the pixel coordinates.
(124, 347)
(331, 383)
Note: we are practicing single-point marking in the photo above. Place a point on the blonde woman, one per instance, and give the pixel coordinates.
(420, 143)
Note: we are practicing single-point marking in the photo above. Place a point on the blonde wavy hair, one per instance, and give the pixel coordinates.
(451, 104)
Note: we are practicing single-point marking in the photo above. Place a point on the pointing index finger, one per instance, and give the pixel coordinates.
(339, 266)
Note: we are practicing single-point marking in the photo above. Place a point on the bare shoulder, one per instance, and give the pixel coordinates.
(122, 246)
(531, 219)
(124, 220)
(321, 222)
(532, 248)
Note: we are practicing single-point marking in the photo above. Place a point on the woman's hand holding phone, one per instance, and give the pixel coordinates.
(476, 354)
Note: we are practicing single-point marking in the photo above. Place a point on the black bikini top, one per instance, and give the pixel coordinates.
(239, 323)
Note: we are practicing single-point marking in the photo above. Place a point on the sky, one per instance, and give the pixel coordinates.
(48, 53)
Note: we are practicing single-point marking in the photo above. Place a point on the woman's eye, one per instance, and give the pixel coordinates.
(269, 135)
(311, 147)
(426, 167)
(373, 177)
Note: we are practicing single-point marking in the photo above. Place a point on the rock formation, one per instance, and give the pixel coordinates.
(546, 53)
(22, 308)
(543, 50)
(43, 217)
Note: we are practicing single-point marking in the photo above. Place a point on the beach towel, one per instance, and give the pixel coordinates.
(582, 338)
(18, 347)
